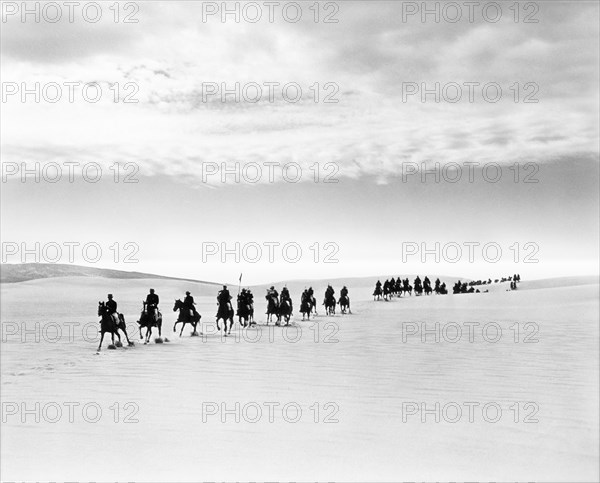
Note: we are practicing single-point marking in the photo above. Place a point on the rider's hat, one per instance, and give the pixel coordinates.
(151, 290)
(110, 295)
(187, 293)
(272, 287)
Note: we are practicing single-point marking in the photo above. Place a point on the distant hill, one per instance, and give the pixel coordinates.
(22, 272)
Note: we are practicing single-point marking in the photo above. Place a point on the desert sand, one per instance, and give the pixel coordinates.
(361, 372)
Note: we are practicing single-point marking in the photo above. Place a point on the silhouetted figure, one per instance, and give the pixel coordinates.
(378, 292)
(285, 296)
(111, 305)
(189, 304)
(152, 299)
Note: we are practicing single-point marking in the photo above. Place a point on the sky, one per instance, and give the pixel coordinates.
(355, 144)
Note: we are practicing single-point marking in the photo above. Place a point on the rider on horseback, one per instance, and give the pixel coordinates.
(272, 293)
(285, 295)
(188, 304)
(344, 292)
(245, 297)
(111, 306)
(224, 298)
(152, 299)
(329, 292)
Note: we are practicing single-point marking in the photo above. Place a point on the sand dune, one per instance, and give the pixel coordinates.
(21, 272)
(357, 372)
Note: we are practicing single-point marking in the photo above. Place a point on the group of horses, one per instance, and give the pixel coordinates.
(150, 317)
(330, 303)
(396, 288)
(308, 306)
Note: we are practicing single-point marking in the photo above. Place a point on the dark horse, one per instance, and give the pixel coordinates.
(108, 324)
(226, 313)
(186, 316)
(306, 307)
(407, 287)
(329, 304)
(377, 293)
(245, 313)
(150, 317)
(272, 309)
(285, 312)
(345, 304)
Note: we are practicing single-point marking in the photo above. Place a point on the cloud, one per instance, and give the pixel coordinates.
(171, 56)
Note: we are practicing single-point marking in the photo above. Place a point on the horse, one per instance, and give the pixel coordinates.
(427, 288)
(245, 313)
(150, 317)
(272, 309)
(345, 304)
(226, 313)
(285, 311)
(398, 287)
(108, 324)
(407, 287)
(186, 316)
(306, 307)
(418, 286)
(329, 304)
(386, 291)
(377, 293)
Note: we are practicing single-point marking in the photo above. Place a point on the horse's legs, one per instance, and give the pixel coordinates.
(126, 336)
(182, 327)
(101, 339)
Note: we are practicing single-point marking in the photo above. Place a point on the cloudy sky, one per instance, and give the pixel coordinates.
(370, 61)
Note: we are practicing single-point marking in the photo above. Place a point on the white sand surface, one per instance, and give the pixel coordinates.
(360, 370)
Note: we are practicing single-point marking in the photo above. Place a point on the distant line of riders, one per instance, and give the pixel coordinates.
(398, 287)
(278, 306)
